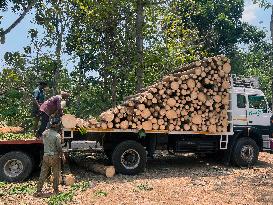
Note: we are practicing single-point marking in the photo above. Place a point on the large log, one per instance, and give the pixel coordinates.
(108, 171)
(147, 125)
(69, 121)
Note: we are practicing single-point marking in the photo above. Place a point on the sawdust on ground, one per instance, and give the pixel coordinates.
(172, 180)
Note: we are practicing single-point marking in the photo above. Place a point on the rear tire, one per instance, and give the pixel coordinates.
(15, 166)
(129, 158)
(245, 152)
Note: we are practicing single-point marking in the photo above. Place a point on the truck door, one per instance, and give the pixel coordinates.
(239, 109)
(258, 112)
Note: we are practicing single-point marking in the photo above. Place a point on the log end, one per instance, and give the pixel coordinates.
(110, 171)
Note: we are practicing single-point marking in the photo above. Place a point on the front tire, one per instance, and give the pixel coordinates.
(15, 166)
(245, 152)
(129, 158)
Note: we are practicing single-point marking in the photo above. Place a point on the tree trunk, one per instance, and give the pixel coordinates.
(139, 45)
(271, 28)
(114, 90)
(58, 51)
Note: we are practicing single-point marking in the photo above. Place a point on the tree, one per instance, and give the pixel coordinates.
(23, 5)
(54, 18)
(139, 44)
(104, 42)
(257, 61)
(265, 4)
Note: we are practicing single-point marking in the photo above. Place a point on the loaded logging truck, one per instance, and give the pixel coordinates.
(249, 132)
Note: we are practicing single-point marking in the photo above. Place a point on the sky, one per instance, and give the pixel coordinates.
(18, 37)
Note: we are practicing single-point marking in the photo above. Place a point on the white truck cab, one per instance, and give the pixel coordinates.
(251, 112)
(250, 107)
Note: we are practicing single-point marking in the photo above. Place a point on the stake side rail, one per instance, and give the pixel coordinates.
(100, 130)
(19, 142)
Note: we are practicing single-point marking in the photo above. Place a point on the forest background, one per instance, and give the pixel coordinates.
(103, 50)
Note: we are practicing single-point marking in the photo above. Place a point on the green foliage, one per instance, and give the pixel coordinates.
(2, 184)
(82, 130)
(82, 186)
(100, 38)
(263, 3)
(141, 133)
(19, 188)
(23, 189)
(258, 61)
(66, 197)
(10, 136)
(61, 198)
(101, 193)
(144, 187)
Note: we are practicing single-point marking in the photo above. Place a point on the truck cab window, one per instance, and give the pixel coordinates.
(241, 101)
(257, 102)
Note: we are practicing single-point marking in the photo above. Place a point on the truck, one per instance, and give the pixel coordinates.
(250, 131)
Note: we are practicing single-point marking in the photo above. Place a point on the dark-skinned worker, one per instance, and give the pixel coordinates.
(52, 157)
(51, 107)
(38, 100)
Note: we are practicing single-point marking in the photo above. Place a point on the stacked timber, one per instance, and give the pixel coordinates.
(193, 98)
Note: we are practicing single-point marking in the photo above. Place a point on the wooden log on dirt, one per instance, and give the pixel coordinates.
(108, 171)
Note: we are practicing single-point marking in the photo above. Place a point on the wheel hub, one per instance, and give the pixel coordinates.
(13, 168)
(247, 153)
(130, 159)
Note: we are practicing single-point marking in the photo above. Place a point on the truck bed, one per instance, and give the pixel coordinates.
(100, 130)
(19, 142)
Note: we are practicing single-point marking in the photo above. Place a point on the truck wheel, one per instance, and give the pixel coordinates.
(245, 152)
(15, 166)
(129, 158)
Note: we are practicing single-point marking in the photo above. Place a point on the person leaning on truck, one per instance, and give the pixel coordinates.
(52, 157)
(38, 100)
(53, 106)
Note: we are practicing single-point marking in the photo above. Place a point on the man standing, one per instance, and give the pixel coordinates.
(52, 106)
(51, 158)
(38, 100)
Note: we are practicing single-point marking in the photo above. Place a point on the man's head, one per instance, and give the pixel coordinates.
(43, 84)
(55, 123)
(64, 94)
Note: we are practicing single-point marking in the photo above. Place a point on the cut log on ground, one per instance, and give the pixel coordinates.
(108, 171)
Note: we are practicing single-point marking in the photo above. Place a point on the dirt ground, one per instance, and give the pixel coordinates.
(167, 180)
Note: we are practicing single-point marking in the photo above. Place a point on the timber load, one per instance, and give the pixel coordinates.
(194, 98)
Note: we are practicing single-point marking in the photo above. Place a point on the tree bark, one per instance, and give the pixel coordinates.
(114, 90)
(59, 31)
(271, 28)
(139, 45)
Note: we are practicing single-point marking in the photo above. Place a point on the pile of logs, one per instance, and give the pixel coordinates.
(193, 98)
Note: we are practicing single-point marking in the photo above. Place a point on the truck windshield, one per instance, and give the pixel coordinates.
(257, 102)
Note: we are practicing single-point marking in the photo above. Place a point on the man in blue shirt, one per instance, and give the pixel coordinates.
(38, 100)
